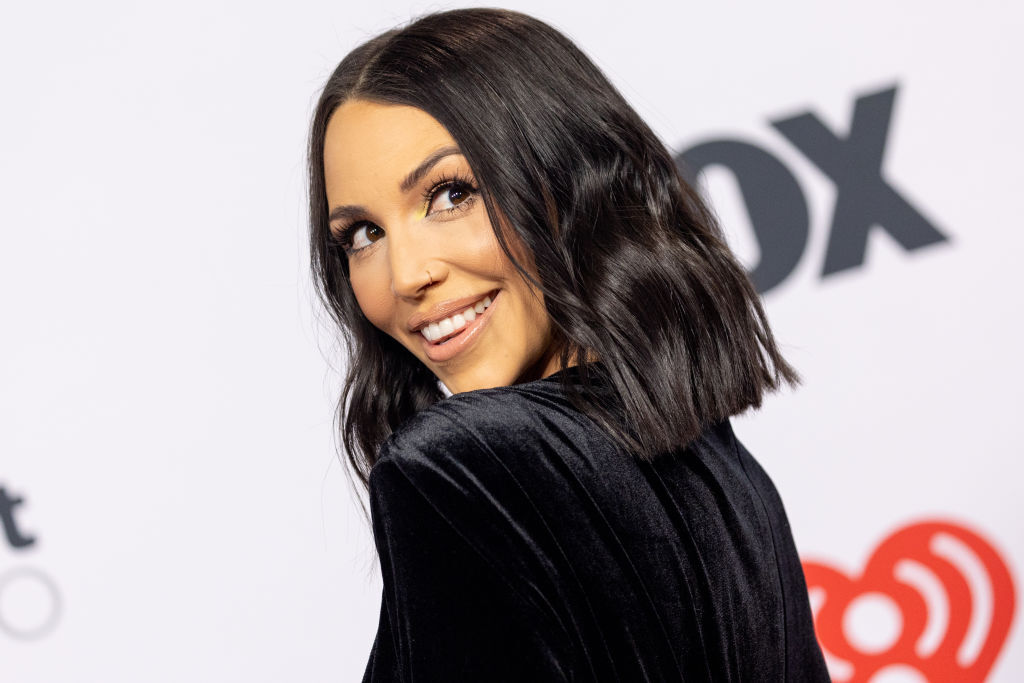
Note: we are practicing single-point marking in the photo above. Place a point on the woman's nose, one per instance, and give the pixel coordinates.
(413, 268)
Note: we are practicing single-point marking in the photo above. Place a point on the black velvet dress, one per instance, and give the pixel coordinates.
(518, 543)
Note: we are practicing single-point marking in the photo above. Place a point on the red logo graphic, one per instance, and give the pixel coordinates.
(935, 601)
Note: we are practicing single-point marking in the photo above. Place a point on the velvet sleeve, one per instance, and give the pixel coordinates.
(463, 596)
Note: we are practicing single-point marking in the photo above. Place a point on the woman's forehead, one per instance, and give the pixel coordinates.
(362, 132)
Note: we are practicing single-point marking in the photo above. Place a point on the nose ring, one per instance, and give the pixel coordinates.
(430, 278)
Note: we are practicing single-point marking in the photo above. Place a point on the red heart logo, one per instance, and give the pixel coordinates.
(935, 598)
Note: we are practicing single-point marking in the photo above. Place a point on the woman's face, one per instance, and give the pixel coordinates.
(424, 263)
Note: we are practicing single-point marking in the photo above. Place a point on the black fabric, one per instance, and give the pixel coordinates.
(518, 543)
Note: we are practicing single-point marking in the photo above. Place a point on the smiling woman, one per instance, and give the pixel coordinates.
(435, 279)
(489, 214)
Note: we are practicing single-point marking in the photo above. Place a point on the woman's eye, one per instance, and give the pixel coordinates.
(449, 197)
(363, 235)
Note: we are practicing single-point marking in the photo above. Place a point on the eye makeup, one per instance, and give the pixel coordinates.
(343, 237)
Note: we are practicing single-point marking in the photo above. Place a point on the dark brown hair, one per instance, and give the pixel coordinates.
(631, 263)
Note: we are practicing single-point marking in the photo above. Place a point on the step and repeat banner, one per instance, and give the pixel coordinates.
(172, 503)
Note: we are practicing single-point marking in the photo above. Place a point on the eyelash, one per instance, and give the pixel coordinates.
(446, 182)
(343, 238)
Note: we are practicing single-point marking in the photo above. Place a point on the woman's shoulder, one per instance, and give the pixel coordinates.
(470, 429)
(492, 445)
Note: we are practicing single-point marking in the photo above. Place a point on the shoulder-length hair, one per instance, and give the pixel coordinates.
(631, 263)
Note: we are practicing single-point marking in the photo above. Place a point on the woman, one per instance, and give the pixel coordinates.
(488, 213)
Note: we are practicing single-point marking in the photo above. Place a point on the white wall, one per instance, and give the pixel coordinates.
(166, 389)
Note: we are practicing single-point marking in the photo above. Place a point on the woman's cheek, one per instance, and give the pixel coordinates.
(477, 247)
(373, 294)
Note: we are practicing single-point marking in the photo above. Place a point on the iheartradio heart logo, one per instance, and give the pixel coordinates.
(934, 603)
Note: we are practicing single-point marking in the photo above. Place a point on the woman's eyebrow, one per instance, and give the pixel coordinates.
(346, 213)
(425, 166)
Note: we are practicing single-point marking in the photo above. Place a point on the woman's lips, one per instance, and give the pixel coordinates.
(451, 346)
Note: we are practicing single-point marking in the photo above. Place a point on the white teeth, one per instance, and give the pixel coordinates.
(443, 328)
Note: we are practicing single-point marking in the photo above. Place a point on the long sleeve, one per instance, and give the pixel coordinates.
(454, 608)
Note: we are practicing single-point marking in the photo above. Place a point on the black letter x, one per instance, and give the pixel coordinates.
(863, 198)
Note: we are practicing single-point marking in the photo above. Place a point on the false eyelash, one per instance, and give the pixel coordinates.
(446, 180)
(343, 238)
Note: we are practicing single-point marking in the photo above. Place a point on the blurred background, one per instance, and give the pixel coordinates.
(172, 500)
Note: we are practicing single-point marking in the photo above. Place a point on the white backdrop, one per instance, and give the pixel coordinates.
(172, 504)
